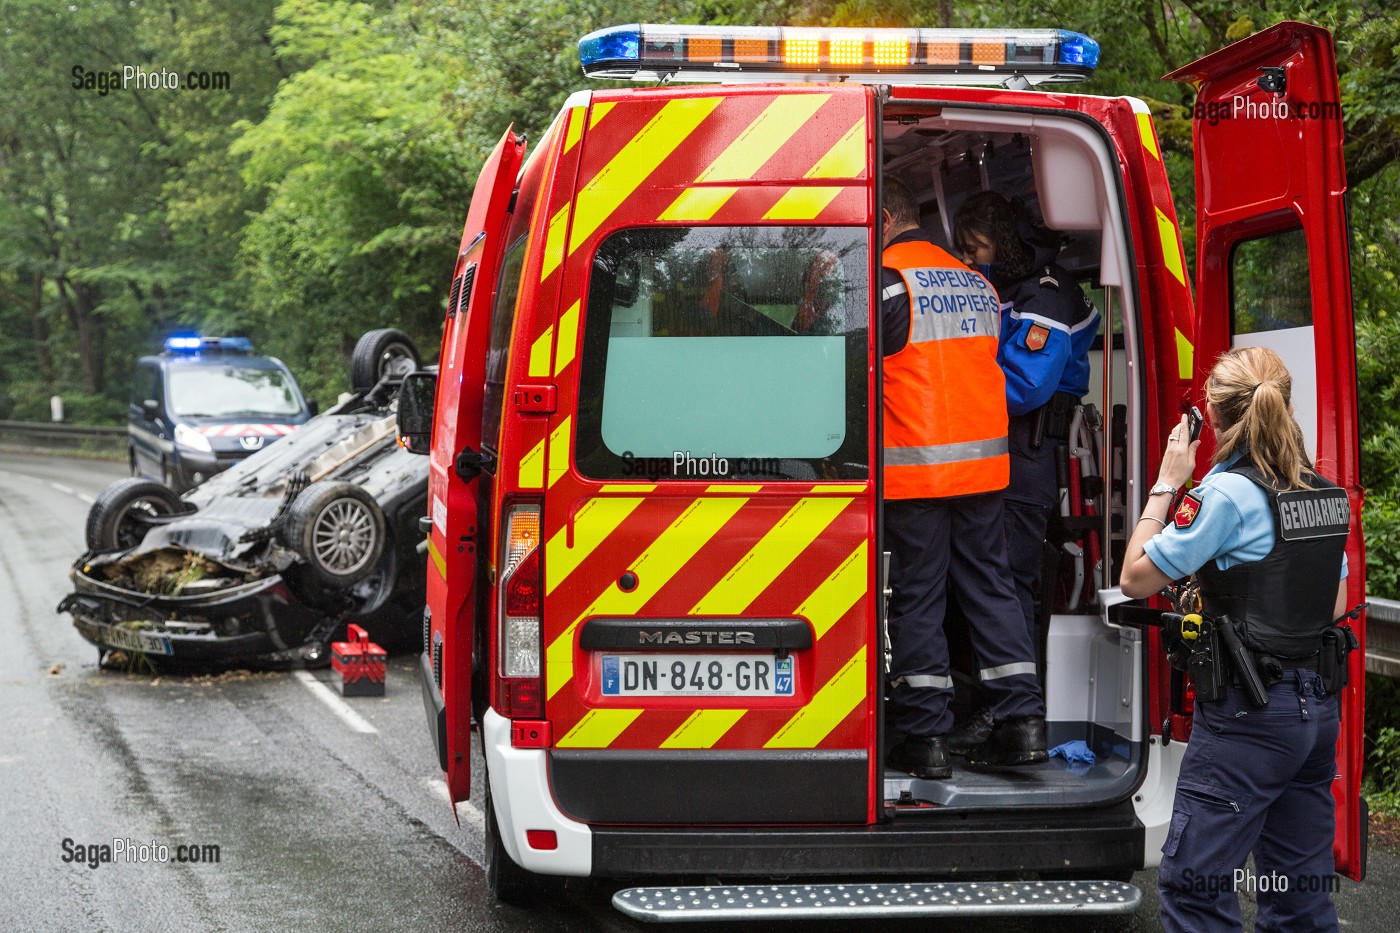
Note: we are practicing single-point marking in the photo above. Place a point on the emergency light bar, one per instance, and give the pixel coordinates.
(652, 52)
(189, 344)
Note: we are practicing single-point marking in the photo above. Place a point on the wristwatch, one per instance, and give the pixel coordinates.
(1162, 489)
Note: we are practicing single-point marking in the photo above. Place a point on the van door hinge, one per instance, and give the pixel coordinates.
(534, 399)
(470, 464)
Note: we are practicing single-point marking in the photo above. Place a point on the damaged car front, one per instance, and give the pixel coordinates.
(270, 559)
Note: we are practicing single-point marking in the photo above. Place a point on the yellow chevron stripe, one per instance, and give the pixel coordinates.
(597, 519)
(554, 241)
(654, 567)
(438, 560)
(763, 137)
(1185, 356)
(637, 160)
(833, 703)
(704, 728)
(802, 203)
(1149, 136)
(1171, 246)
(846, 159)
(598, 728)
(840, 487)
(532, 468)
(628, 487)
(539, 353)
(568, 338)
(838, 593)
(724, 488)
(599, 112)
(560, 447)
(697, 203)
(770, 556)
(575, 131)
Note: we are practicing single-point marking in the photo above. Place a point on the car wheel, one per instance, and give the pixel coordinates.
(506, 880)
(338, 529)
(380, 353)
(114, 521)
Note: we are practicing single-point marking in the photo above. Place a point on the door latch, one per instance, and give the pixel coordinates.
(470, 464)
(534, 399)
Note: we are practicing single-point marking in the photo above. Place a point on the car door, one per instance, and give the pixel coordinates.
(1273, 270)
(456, 535)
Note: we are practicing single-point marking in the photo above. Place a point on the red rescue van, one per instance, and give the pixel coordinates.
(656, 580)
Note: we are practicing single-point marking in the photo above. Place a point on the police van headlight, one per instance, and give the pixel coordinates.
(187, 436)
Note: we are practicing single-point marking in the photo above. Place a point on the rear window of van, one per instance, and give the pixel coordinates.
(715, 353)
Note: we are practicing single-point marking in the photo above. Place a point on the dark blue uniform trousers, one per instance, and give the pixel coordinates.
(1032, 495)
(1255, 780)
(935, 543)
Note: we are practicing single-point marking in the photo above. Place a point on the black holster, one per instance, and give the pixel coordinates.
(1053, 419)
(1338, 642)
(1208, 667)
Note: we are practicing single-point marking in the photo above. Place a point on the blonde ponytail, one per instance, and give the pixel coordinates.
(1251, 391)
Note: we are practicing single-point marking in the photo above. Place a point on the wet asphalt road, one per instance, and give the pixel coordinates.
(318, 826)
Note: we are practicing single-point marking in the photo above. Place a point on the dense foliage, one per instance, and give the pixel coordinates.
(320, 193)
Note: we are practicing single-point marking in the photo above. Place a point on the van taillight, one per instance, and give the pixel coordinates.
(520, 649)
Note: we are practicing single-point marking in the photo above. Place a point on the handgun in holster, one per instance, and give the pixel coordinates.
(1242, 661)
(1338, 642)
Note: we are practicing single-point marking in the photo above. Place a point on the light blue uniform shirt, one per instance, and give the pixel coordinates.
(1233, 526)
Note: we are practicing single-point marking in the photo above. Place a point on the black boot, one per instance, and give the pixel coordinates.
(971, 733)
(1019, 741)
(921, 756)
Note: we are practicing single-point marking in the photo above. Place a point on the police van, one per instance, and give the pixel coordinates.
(204, 404)
(656, 579)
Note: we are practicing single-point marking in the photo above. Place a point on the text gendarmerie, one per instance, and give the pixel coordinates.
(1313, 514)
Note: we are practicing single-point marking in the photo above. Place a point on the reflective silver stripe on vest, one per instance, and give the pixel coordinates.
(894, 291)
(924, 680)
(1007, 670)
(945, 453)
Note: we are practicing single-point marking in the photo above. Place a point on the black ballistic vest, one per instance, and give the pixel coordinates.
(1285, 601)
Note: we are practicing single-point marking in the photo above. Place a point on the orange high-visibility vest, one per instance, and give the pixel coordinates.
(945, 396)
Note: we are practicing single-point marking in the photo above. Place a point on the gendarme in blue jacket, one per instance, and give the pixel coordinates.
(1047, 329)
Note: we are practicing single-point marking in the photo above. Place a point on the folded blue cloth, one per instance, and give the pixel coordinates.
(1074, 751)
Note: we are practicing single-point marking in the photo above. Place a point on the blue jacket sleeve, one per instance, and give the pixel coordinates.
(1032, 375)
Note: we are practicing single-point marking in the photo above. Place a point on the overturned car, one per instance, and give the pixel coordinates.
(272, 558)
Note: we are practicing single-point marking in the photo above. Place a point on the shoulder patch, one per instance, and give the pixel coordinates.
(1187, 511)
(1036, 337)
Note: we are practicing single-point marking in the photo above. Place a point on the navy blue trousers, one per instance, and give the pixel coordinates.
(1031, 496)
(1255, 780)
(957, 542)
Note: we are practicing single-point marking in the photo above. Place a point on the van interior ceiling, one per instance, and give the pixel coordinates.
(1062, 176)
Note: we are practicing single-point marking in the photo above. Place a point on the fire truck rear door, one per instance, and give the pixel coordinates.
(456, 535)
(1273, 270)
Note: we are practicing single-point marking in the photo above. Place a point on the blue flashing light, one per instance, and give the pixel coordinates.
(1078, 49)
(616, 43)
(192, 344)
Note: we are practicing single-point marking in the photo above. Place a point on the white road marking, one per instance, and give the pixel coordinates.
(86, 498)
(64, 489)
(466, 810)
(320, 691)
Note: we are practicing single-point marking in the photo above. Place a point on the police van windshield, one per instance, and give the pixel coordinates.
(726, 353)
(221, 391)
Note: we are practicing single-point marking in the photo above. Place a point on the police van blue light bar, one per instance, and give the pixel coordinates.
(192, 344)
(652, 52)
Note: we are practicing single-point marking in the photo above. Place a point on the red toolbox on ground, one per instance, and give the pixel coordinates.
(360, 663)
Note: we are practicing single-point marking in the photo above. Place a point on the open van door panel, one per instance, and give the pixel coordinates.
(456, 536)
(1273, 270)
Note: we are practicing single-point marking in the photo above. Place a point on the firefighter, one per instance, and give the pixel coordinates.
(1262, 531)
(1047, 329)
(945, 467)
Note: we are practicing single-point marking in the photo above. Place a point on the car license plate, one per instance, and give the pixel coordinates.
(128, 639)
(711, 675)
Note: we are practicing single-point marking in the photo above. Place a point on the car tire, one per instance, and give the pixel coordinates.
(380, 353)
(339, 531)
(112, 523)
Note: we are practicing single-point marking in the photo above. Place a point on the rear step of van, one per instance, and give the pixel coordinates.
(888, 900)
